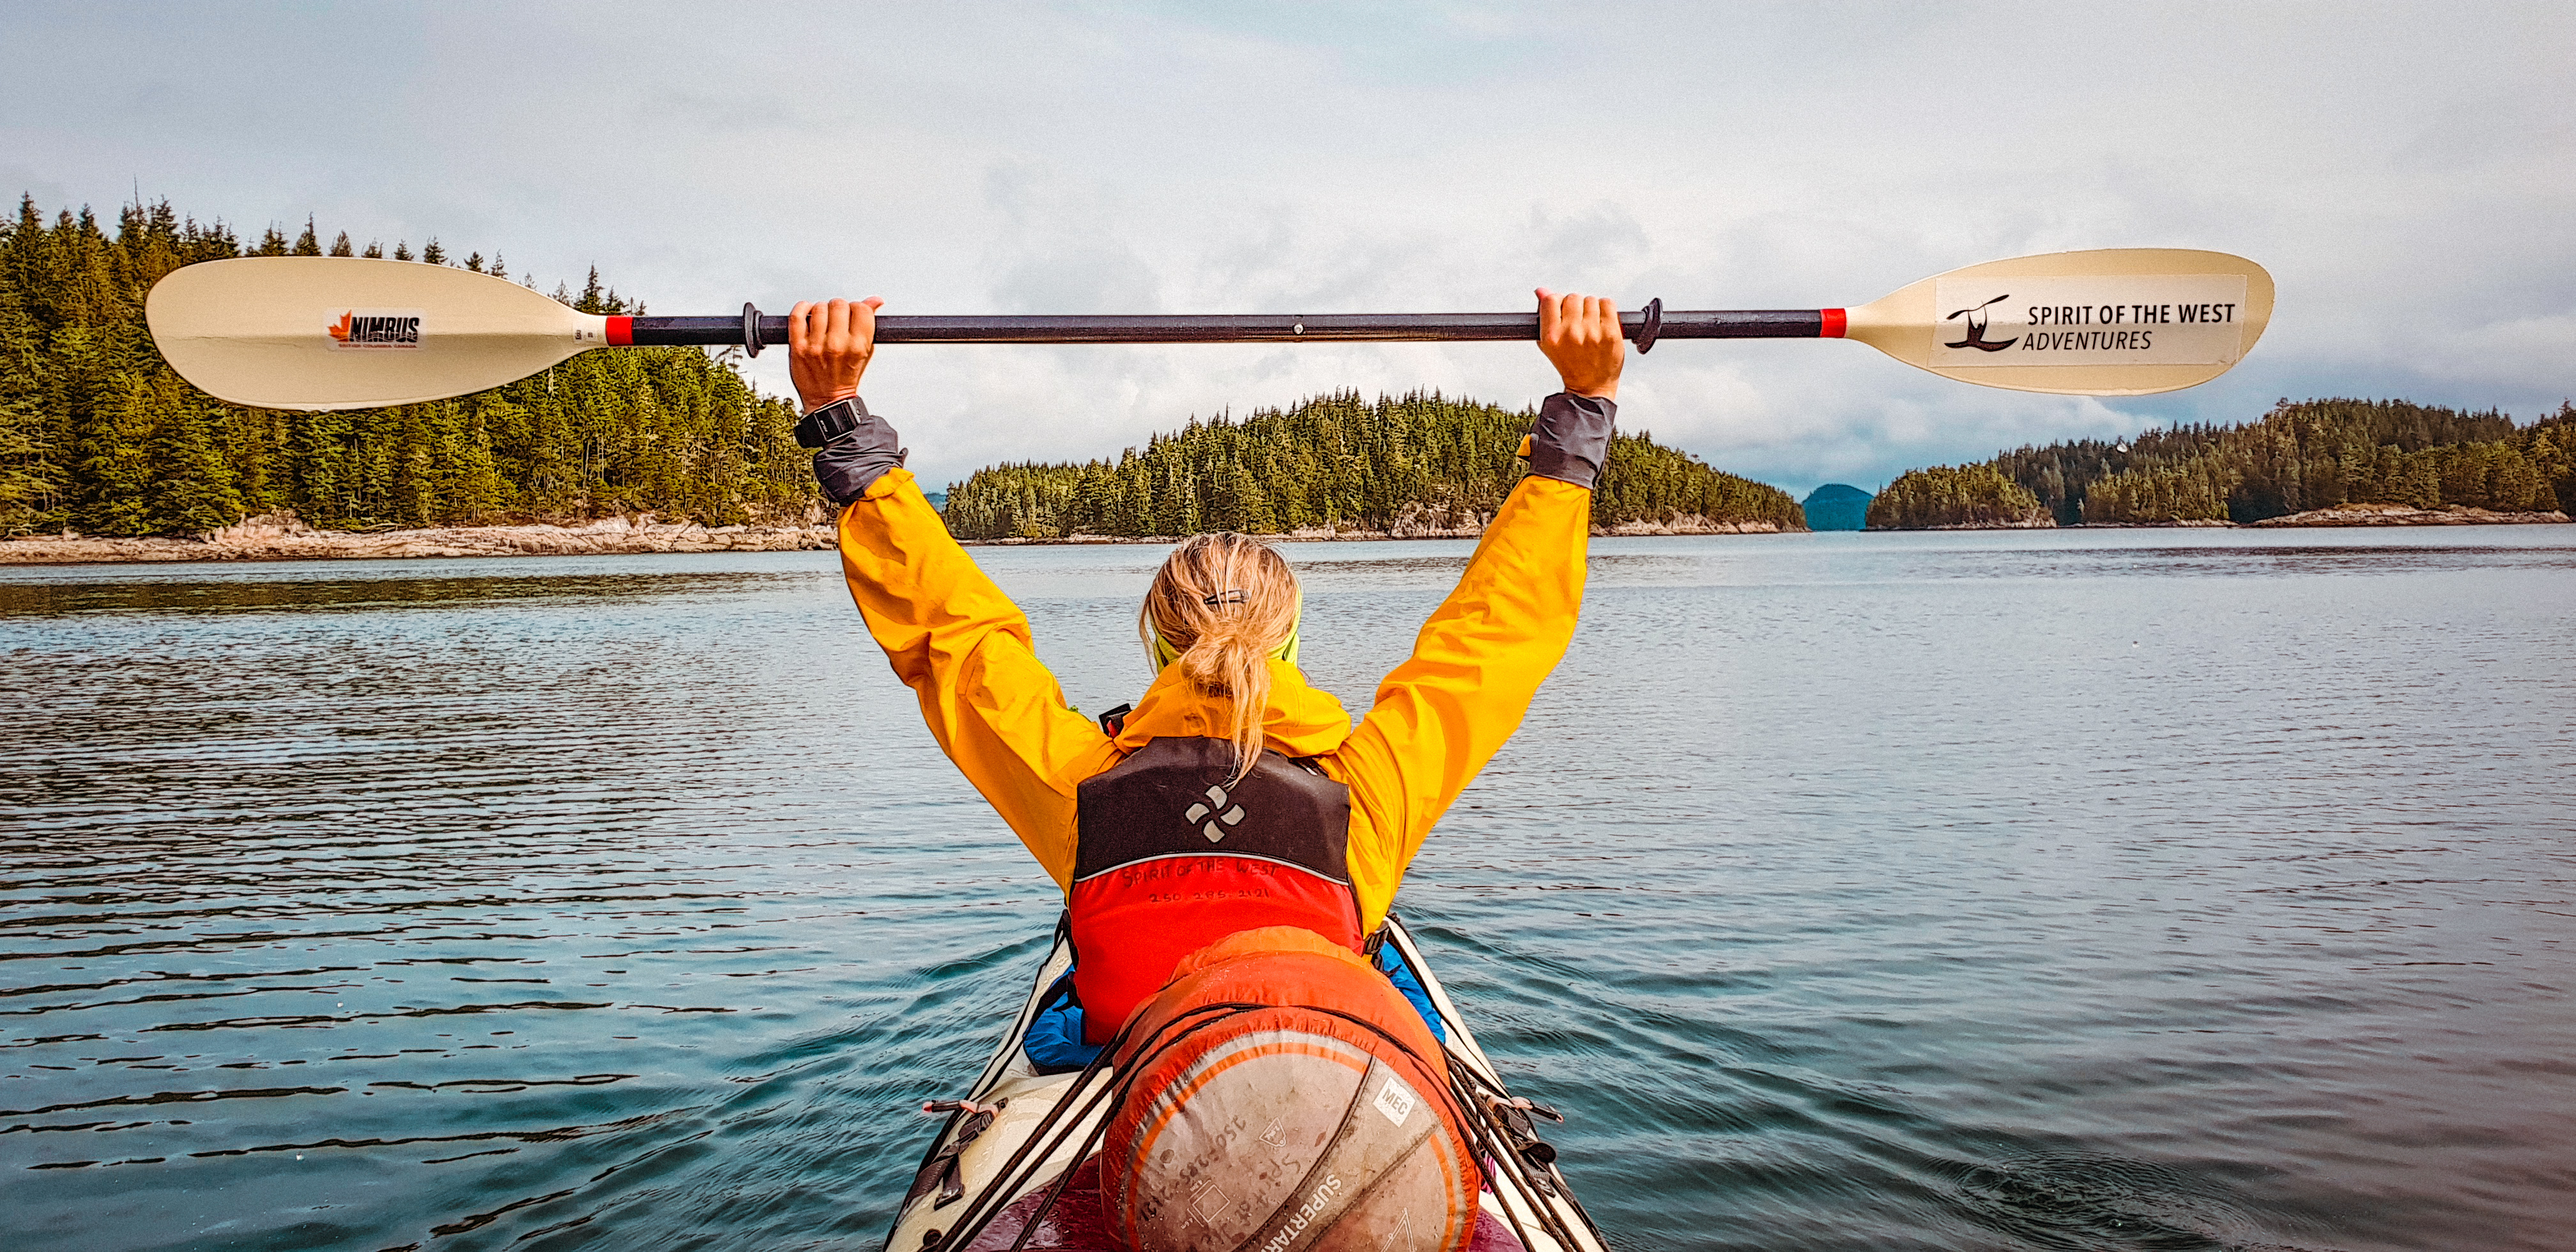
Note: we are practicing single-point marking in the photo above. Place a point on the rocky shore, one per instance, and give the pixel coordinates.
(2036, 520)
(1687, 524)
(2353, 515)
(1691, 524)
(2403, 515)
(283, 537)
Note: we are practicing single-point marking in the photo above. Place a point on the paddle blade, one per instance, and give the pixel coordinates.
(322, 333)
(2116, 322)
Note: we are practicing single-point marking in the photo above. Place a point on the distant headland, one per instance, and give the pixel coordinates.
(2318, 463)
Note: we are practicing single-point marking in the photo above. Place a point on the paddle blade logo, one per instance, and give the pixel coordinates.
(374, 330)
(1977, 320)
(2115, 319)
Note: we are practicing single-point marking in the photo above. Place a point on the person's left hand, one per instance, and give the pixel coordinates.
(828, 346)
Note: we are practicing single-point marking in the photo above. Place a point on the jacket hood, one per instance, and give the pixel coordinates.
(1301, 721)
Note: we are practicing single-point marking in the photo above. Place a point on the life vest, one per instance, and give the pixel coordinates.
(1170, 857)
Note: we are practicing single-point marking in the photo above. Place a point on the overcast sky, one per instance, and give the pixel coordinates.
(2407, 172)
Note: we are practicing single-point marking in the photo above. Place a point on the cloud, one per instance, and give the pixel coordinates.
(2403, 169)
(2534, 353)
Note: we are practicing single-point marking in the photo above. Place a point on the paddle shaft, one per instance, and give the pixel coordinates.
(753, 331)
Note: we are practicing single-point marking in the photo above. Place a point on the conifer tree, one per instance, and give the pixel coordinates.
(191, 486)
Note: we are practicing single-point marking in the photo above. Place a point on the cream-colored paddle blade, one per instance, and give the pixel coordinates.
(352, 333)
(2117, 322)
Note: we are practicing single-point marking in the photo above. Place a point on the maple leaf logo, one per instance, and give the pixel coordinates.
(340, 329)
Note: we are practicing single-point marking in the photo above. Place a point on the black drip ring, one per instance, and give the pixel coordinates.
(751, 328)
(1652, 326)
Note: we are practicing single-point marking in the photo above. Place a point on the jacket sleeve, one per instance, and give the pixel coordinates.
(965, 650)
(1475, 667)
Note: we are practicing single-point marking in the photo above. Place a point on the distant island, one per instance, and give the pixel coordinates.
(1338, 466)
(1837, 506)
(2321, 462)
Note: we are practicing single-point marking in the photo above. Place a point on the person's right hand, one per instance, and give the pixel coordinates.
(828, 347)
(1580, 336)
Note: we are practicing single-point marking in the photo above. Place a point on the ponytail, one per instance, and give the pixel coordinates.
(1225, 605)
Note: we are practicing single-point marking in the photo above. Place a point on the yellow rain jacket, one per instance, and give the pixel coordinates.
(958, 642)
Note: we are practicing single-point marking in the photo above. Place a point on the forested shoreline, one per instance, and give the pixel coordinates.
(1421, 463)
(2319, 454)
(98, 436)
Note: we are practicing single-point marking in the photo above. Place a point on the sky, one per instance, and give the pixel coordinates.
(2407, 172)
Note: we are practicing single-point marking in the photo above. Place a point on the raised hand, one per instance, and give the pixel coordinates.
(828, 346)
(1580, 336)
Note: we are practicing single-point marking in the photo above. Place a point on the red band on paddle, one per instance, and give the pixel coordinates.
(621, 331)
(1835, 320)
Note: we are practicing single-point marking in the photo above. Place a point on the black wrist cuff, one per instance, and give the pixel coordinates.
(859, 447)
(1570, 442)
(830, 422)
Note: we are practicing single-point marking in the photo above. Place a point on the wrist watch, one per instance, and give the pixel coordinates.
(831, 421)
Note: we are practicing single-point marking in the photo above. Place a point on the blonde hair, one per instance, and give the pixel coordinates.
(1224, 603)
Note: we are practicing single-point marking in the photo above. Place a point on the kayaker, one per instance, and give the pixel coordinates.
(1236, 836)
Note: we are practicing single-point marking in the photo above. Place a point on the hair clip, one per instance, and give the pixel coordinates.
(1227, 597)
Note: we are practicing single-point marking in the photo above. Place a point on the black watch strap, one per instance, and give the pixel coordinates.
(830, 422)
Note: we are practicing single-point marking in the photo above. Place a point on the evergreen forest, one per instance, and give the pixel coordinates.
(98, 436)
(1420, 462)
(2313, 455)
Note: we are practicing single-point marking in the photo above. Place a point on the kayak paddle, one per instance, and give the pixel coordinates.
(322, 333)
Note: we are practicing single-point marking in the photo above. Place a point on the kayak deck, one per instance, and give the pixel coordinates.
(991, 1144)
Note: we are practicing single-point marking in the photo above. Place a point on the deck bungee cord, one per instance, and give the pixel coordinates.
(1500, 1126)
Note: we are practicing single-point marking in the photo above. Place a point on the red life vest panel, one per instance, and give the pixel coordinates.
(1169, 858)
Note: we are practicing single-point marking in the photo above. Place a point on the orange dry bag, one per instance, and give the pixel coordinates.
(1283, 1096)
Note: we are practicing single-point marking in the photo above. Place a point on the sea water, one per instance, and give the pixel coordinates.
(2126, 890)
